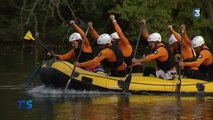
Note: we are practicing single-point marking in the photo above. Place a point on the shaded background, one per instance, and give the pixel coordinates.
(51, 17)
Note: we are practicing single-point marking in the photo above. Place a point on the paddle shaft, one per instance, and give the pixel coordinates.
(35, 72)
(129, 77)
(178, 86)
(33, 75)
(79, 54)
(44, 47)
(136, 47)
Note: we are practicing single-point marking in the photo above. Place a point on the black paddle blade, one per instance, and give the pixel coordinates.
(178, 86)
(127, 83)
(33, 75)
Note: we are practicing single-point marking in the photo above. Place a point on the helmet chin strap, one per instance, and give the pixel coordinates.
(117, 41)
(156, 45)
(200, 48)
(79, 43)
(106, 45)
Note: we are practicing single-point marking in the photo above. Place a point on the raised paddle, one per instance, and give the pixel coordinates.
(79, 54)
(129, 77)
(178, 85)
(28, 36)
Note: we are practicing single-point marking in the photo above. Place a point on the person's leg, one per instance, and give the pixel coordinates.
(195, 74)
(137, 69)
(149, 70)
(199, 75)
(118, 73)
(98, 69)
(170, 75)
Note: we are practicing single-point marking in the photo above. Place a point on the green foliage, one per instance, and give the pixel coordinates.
(160, 13)
(153, 11)
(51, 17)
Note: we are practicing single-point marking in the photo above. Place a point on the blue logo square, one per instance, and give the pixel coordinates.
(196, 13)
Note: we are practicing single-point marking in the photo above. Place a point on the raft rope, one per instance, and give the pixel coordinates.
(132, 82)
(166, 85)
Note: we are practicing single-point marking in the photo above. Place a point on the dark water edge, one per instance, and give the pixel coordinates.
(51, 104)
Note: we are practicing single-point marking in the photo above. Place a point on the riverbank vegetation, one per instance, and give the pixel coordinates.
(50, 18)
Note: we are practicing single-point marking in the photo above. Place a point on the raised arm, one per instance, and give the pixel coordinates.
(144, 32)
(176, 34)
(81, 32)
(123, 39)
(94, 33)
(185, 38)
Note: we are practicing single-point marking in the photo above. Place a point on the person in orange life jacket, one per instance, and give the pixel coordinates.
(163, 56)
(204, 60)
(175, 40)
(145, 42)
(123, 43)
(188, 54)
(174, 43)
(144, 37)
(110, 54)
(76, 40)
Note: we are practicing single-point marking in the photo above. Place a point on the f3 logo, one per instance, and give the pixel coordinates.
(196, 12)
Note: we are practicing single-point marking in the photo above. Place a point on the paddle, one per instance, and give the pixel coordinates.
(28, 36)
(129, 77)
(79, 54)
(33, 75)
(178, 85)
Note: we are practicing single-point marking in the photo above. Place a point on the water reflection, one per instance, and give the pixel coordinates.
(86, 105)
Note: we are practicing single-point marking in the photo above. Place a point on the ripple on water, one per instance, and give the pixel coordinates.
(47, 91)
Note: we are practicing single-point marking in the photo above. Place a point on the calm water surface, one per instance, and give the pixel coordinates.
(54, 104)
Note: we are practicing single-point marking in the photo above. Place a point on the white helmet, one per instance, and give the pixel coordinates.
(154, 37)
(114, 35)
(197, 41)
(75, 36)
(104, 39)
(172, 39)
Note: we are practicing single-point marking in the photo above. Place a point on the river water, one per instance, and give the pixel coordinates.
(16, 64)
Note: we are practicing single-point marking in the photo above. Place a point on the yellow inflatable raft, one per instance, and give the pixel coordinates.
(57, 73)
